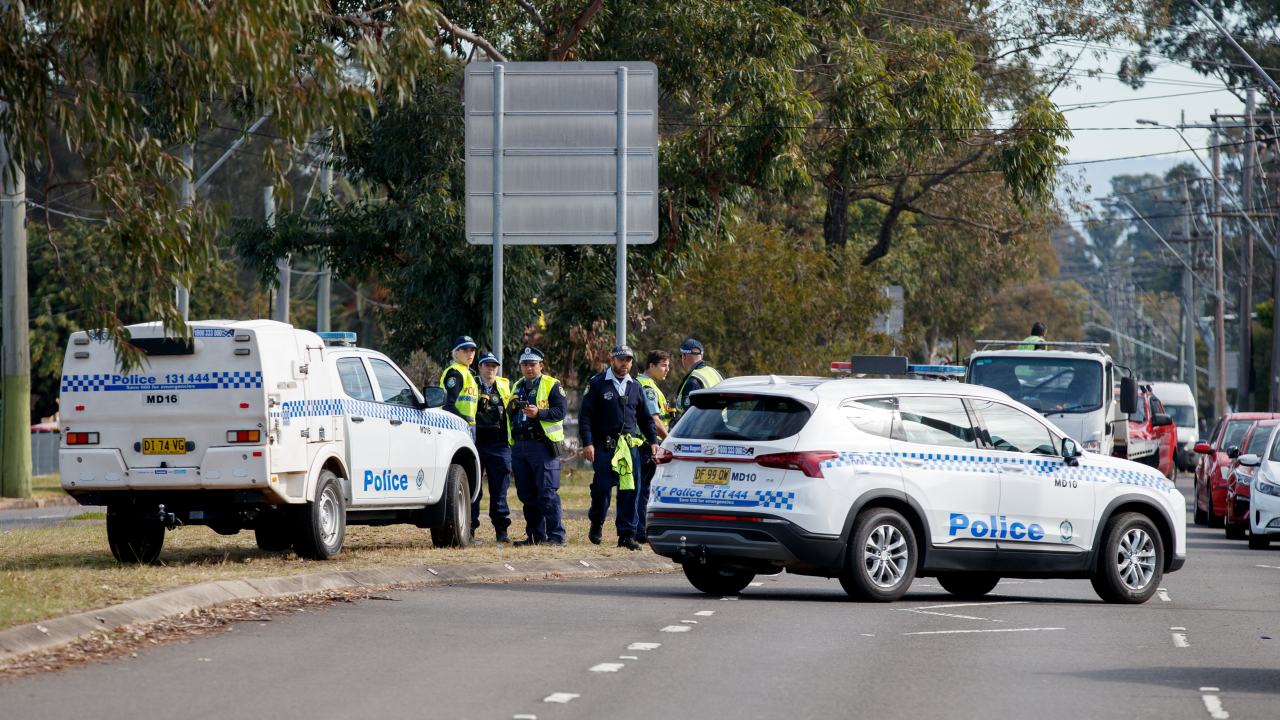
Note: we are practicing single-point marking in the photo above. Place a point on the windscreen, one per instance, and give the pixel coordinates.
(753, 418)
(1048, 384)
(1183, 415)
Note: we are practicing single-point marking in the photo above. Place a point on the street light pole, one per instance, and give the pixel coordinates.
(1219, 306)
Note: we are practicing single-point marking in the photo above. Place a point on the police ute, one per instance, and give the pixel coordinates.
(257, 425)
(876, 481)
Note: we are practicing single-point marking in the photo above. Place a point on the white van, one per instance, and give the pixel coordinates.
(1180, 403)
(258, 425)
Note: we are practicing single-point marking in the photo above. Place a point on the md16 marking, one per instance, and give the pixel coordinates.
(994, 527)
(161, 399)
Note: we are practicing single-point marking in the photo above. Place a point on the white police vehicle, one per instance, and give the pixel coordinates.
(878, 481)
(258, 425)
(1264, 495)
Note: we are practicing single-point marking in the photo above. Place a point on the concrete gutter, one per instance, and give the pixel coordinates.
(49, 634)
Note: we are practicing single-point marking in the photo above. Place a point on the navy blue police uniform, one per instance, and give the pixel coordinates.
(536, 459)
(495, 454)
(613, 408)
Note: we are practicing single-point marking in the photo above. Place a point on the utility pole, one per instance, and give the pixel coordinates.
(1219, 308)
(283, 277)
(15, 467)
(1245, 360)
(1189, 312)
(186, 198)
(323, 284)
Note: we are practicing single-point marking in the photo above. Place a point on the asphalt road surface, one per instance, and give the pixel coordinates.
(650, 647)
(27, 519)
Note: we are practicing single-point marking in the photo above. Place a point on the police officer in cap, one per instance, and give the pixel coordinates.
(493, 440)
(700, 374)
(459, 384)
(612, 425)
(536, 413)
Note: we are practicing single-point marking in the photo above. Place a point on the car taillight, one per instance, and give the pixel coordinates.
(808, 462)
(662, 456)
(244, 436)
(82, 438)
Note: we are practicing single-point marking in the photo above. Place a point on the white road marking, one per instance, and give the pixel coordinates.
(705, 613)
(607, 667)
(975, 604)
(757, 584)
(561, 698)
(729, 597)
(1213, 704)
(1180, 640)
(644, 646)
(507, 566)
(1163, 595)
(524, 717)
(628, 657)
(967, 632)
(433, 571)
(949, 615)
(676, 628)
(1270, 567)
(1177, 628)
(689, 622)
(868, 634)
(585, 563)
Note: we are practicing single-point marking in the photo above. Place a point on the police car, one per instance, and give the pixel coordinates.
(258, 425)
(878, 481)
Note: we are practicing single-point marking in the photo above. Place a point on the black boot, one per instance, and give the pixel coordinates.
(628, 542)
(526, 541)
(595, 533)
(503, 537)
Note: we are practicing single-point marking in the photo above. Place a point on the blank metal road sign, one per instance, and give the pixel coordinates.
(558, 147)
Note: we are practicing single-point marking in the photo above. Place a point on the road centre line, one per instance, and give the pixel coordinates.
(1213, 704)
(1180, 640)
(676, 628)
(560, 697)
(524, 717)
(994, 630)
(1163, 595)
(705, 613)
(644, 646)
(606, 667)
(975, 604)
(628, 657)
(1270, 567)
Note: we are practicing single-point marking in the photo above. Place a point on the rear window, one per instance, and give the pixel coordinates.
(1234, 433)
(752, 418)
(1258, 441)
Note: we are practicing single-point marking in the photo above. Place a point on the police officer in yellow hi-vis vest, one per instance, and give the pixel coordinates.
(493, 440)
(458, 382)
(701, 375)
(537, 411)
(656, 367)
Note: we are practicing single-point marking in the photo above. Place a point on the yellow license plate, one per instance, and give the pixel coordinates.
(164, 446)
(711, 476)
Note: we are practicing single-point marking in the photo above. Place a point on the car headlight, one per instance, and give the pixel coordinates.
(1266, 488)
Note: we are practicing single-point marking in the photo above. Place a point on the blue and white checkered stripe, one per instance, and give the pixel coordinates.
(346, 406)
(106, 382)
(776, 499)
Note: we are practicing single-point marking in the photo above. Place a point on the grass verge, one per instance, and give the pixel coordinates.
(52, 571)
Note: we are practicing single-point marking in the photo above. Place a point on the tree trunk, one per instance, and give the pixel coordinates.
(835, 225)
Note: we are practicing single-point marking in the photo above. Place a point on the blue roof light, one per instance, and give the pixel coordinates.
(338, 338)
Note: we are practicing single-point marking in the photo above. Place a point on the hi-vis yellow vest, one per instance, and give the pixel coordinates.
(503, 386)
(468, 396)
(664, 411)
(553, 430)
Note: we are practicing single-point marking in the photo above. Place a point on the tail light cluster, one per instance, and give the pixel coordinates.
(662, 456)
(82, 438)
(808, 462)
(244, 436)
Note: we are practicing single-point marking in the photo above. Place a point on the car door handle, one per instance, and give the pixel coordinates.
(915, 462)
(1012, 468)
(396, 422)
(356, 418)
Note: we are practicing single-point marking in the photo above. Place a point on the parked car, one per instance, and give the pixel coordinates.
(1240, 477)
(1264, 501)
(1180, 403)
(1153, 438)
(1215, 458)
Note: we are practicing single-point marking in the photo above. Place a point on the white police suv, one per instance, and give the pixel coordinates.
(878, 481)
(258, 425)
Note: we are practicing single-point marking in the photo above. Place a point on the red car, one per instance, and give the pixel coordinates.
(1153, 438)
(1240, 478)
(1211, 477)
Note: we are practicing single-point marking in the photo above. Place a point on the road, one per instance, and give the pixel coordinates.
(648, 647)
(27, 519)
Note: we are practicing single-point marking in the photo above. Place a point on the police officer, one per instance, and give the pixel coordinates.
(458, 382)
(656, 367)
(1034, 341)
(493, 440)
(536, 413)
(700, 374)
(612, 425)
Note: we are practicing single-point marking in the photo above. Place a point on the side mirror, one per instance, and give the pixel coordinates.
(1233, 452)
(1128, 395)
(1202, 447)
(1250, 460)
(1160, 420)
(1070, 451)
(435, 396)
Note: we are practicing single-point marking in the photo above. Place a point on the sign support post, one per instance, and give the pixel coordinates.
(620, 301)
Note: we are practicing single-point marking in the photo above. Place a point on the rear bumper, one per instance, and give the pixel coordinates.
(761, 542)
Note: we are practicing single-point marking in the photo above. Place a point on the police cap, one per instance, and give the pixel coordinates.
(691, 346)
(462, 342)
(621, 351)
(531, 354)
(489, 357)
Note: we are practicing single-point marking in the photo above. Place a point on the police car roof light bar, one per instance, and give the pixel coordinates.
(894, 365)
(343, 339)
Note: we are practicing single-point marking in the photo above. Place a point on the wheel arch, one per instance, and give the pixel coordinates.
(896, 500)
(329, 459)
(467, 457)
(1142, 505)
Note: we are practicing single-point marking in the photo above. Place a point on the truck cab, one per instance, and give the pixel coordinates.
(1070, 384)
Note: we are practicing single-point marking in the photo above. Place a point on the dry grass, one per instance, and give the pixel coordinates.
(54, 571)
(46, 486)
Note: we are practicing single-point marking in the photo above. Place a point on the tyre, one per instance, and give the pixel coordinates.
(968, 585)
(1198, 516)
(133, 539)
(715, 579)
(1130, 560)
(1234, 530)
(320, 527)
(882, 557)
(1259, 542)
(273, 533)
(1210, 519)
(456, 531)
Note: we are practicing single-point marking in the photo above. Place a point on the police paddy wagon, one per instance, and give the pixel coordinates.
(878, 481)
(258, 425)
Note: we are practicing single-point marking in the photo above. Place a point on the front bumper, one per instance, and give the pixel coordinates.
(760, 542)
(1264, 514)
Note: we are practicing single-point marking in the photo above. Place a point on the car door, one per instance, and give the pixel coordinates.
(1045, 505)
(936, 445)
(412, 456)
(368, 442)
